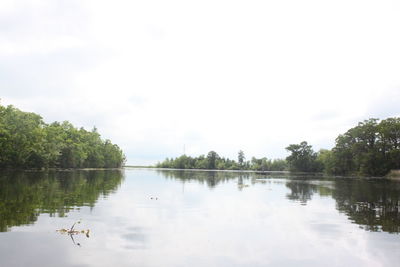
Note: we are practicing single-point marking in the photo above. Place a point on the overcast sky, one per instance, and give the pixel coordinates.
(155, 76)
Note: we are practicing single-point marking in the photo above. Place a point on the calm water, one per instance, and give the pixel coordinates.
(192, 218)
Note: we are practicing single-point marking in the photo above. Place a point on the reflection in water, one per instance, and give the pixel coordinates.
(372, 204)
(300, 191)
(218, 221)
(211, 178)
(25, 195)
(136, 238)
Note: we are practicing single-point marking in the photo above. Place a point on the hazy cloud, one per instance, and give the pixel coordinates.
(213, 75)
(386, 104)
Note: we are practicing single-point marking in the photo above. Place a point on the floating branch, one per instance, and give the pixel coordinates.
(71, 232)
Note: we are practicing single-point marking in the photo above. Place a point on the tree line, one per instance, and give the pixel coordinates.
(212, 161)
(26, 141)
(372, 148)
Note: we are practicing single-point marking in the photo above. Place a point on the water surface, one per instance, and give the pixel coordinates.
(197, 218)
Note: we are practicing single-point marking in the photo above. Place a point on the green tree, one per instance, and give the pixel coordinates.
(389, 135)
(212, 158)
(278, 165)
(241, 158)
(27, 142)
(325, 160)
(371, 148)
(302, 157)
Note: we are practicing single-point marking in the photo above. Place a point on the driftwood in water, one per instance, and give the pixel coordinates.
(71, 232)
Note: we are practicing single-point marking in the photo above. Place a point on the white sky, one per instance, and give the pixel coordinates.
(154, 76)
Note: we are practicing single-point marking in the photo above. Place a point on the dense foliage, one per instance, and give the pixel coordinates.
(372, 148)
(303, 158)
(26, 141)
(214, 162)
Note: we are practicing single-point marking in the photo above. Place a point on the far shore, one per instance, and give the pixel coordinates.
(392, 175)
(60, 169)
(276, 172)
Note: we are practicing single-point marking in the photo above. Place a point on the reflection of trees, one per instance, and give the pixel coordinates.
(372, 204)
(303, 186)
(300, 190)
(211, 178)
(25, 195)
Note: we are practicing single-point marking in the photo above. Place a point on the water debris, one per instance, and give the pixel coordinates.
(71, 232)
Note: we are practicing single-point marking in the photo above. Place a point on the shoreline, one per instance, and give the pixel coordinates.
(392, 175)
(310, 174)
(60, 169)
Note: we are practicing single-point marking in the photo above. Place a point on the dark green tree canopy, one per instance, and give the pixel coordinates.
(302, 158)
(212, 158)
(26, 141)
(371, 148)
(214, 161)
(241, 157)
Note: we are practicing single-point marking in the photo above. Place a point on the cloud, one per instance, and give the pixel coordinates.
(215, 75)
(385, 104)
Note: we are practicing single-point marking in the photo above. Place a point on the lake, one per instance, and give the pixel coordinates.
(141, 217)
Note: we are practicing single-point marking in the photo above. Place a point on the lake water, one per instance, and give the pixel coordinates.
(196, 218)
